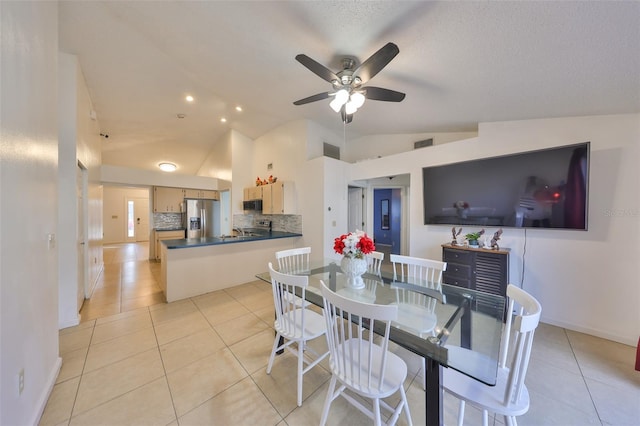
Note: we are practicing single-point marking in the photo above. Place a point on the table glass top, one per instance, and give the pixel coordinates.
(468, 323)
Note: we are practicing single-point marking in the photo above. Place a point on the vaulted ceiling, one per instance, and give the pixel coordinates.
(460, 63)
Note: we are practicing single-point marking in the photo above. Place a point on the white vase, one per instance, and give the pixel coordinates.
(353, 268)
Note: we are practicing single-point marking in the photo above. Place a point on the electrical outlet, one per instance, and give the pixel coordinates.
(20, 381)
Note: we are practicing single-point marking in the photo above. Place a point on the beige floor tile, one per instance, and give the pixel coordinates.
(615, 405)
(121, 315)
(93, 311)
(188, 323)
(128, 324)
(201, 380)
(230, 408)
(72, 364)
(242, 290)
(212, 299)
(142, 301)
(184, 351)
(169, 311)
(72, 341)
(552, 410)
(240, 328)
(113, 380)
(146, 405)
(256, 301)
(81, 326)
(280, 387)
(60, 403)
(253, 352)
(224, 312)
(267, 314)
(119, 348)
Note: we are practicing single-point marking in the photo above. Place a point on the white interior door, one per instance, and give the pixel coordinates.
(356, 202)
(81, 234)
(141, 218)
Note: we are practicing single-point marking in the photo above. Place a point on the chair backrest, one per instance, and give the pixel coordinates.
(374, 262)
(293, 260)
(418, 271)
(290, 318)
(517, 338)
(351, 343)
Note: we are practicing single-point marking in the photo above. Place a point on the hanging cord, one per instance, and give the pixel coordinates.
(524, 251)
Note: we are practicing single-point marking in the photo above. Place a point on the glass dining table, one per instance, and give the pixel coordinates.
(466, 319)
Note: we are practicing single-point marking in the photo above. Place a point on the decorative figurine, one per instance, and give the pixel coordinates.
(494, 240)
(454, 234)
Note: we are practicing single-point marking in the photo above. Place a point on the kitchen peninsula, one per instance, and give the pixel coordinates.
(195, 266)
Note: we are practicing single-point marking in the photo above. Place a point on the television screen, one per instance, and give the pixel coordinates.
(536, 189)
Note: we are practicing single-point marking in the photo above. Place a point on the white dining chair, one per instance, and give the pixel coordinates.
(509, 397)
(360, 367)
(374, 262)
(295, 324)
(293, 260)
(416, 312)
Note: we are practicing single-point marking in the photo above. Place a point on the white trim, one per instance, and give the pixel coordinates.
(44, 397)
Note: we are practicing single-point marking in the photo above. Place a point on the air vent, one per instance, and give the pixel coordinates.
(331, 151)
(422, 144)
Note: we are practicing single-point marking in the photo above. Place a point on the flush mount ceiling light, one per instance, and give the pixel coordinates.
(223, 120)
(167, 167)
(239, 108)
(189, 98)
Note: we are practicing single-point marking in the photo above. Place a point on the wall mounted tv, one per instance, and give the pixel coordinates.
(537, 189)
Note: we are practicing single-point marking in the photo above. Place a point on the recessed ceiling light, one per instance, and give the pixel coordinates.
(239, 108)
(189, 98)
(167, 167)
(180, 115)
(223, 120)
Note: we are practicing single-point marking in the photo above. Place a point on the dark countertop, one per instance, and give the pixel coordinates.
(210, 241)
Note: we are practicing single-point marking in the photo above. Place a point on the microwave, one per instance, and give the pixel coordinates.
(252, 205)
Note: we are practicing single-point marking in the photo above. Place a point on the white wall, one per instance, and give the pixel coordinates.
(585, 281)
(29, 209)
(375, 146)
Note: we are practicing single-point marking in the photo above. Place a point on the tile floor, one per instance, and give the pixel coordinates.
(135, 360)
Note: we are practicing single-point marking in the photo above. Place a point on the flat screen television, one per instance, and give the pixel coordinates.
(536, 189)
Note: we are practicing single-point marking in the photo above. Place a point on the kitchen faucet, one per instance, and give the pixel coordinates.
(240, 230)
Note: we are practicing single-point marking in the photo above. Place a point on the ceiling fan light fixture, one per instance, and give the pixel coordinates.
(167, 167)
(342, 96)
(357, 99)
(336, 105)
(350, 108)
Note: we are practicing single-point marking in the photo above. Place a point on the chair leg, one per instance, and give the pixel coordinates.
(273, 352)
(328, 400)
(403, 395)
(485, 418)
(424, 375)
(376, 412)
(461, 412)
(300, 373)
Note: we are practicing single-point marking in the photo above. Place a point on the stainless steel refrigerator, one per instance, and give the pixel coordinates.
(202, 218)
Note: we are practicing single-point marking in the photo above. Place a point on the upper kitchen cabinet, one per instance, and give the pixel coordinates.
(167, 200)
(253, 193)
(278, 198)
(203, 194)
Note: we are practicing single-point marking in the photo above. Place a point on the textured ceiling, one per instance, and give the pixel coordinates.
(460, 63)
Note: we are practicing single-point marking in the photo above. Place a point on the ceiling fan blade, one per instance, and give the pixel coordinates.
(318, 97)
(317, 68)
(376, 62)
(380, 94)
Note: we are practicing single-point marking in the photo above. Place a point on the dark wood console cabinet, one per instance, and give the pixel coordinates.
(477, 269)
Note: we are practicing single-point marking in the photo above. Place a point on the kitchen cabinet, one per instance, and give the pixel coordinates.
(253, 193)
(165, 235)
(203, 194)
(477, 269)
(167, 200)
(278, 198)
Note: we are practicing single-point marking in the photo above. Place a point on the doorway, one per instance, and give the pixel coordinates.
(356, 208)
(387, 219)
(83, 289)
(137, 222)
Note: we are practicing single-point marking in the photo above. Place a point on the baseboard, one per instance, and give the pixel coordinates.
(44, 397)
(630, 341)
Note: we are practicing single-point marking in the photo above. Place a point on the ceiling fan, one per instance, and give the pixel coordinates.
(348, 91)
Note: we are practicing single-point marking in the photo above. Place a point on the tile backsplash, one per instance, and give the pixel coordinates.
(167, 221)
(279, 222)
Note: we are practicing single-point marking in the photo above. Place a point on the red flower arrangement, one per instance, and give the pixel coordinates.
(354, 244)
